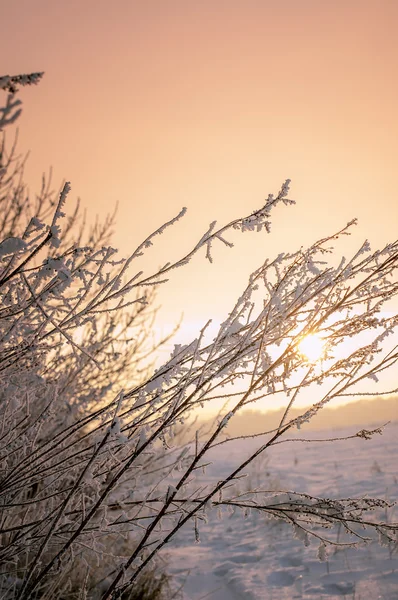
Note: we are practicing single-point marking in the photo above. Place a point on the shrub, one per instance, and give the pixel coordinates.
(93, 480)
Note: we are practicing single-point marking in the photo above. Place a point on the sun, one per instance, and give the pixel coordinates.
(312, 347)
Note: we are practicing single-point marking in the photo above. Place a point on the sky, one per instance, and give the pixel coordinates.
(212, 105)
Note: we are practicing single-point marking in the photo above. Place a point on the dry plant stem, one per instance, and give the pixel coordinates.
(11, 275)
(180, 483)
(112, 588)
(119, 475)
(87, 519)
(25, 588)
(188, 472)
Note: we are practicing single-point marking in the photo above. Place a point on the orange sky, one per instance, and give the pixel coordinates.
(161, 104)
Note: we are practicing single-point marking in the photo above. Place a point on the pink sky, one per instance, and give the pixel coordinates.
(211, 105)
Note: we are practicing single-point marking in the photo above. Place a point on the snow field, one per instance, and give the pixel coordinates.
(253, 558)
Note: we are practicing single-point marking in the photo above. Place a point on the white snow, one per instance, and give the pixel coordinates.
(253, 558)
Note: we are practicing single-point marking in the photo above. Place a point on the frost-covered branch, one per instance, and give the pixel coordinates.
(82, 461)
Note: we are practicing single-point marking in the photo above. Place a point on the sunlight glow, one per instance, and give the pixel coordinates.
(312, 347)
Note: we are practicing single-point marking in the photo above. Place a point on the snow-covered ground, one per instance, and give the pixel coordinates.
(252, 558)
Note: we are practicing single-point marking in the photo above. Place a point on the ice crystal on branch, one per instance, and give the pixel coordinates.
(11, 83)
